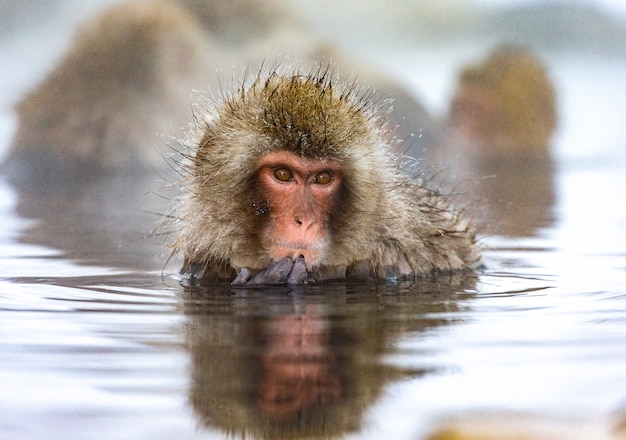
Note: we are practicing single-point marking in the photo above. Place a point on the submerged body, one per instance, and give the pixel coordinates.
(289, 179)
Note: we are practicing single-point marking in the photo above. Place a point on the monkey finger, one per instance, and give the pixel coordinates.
(298, 274)
(243, 277)
(276, 273)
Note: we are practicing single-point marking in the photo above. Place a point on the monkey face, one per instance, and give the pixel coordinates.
(292, 180)
(300, 195)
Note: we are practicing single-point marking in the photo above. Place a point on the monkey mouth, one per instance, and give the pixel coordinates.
(298, 245)
(312, 252)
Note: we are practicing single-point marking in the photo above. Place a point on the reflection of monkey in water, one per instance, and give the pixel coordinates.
(266, 364)
(299, 368)
(291, 174)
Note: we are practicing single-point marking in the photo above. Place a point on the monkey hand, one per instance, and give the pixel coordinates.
(285, 271)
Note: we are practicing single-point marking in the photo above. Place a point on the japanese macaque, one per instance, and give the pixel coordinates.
(501, 122)
(126, 79)
(505, 103)
(289, 179)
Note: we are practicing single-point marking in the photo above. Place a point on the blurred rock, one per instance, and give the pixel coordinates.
(516, 426)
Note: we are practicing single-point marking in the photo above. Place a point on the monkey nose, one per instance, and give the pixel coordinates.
(305, 222)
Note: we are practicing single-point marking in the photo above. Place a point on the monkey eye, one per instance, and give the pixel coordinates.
(323, 178)
(283, 174)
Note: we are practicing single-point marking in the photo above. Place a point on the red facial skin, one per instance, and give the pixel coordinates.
(300, 194)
